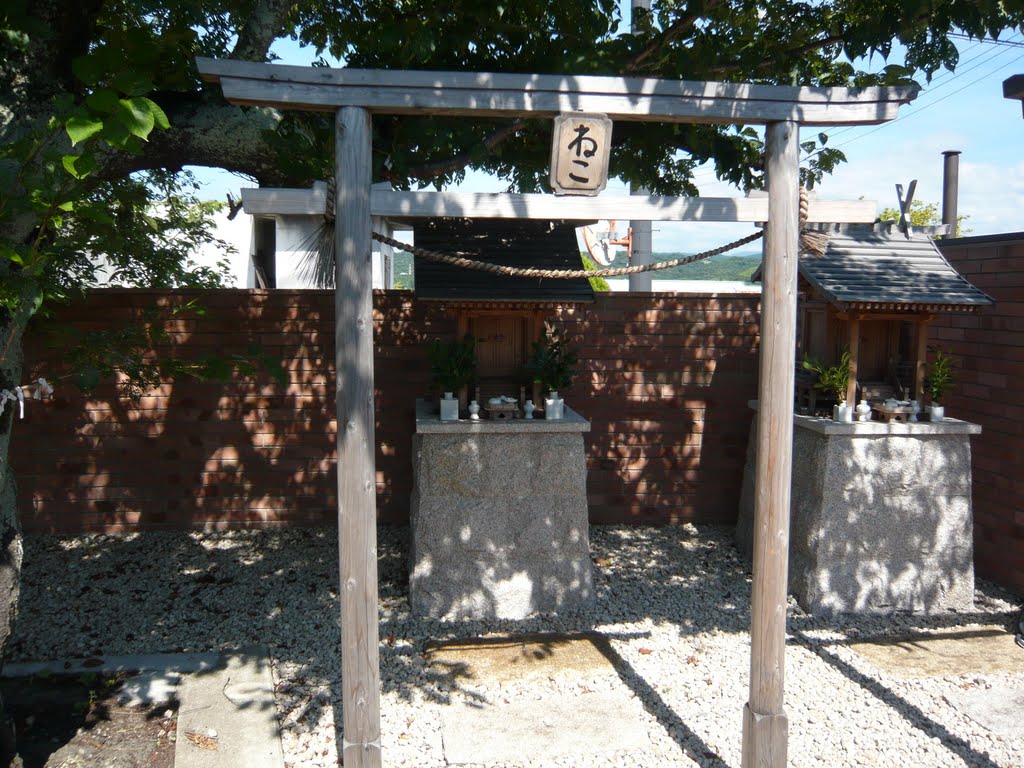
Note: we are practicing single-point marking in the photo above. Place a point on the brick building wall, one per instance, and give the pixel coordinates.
(663, 378)
(990, 348)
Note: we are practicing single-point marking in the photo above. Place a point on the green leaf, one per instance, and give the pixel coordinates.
(137, 116)
(132, 83)
(80, 128)
(104, 100)
(88, 69)
(115, 133)
(159, 116)
(8, 253)
(79, 166)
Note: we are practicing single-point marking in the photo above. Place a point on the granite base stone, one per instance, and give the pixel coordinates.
(499, 519)
(880, 516)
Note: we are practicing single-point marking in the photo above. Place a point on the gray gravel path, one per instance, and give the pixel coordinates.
(673, 602)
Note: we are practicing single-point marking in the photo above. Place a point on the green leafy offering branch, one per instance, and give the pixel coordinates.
(941, 376)
(553, 362)
(453, 365)
(832, 378)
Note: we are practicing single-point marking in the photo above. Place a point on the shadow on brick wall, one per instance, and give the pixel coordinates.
(663, 378)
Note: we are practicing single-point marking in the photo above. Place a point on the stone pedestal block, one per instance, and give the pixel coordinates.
(499, 518)
(880, 516)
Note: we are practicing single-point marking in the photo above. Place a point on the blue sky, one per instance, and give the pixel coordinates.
(964, 110)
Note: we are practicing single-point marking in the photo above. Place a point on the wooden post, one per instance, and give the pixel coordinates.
(851, 384)
(357, 498)
(765, 728)
(264, 259)
(922, 357)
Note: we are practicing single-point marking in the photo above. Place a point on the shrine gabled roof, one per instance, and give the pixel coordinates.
(881, 268)
(511, 242)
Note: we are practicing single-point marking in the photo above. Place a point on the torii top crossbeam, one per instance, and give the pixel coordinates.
(510, 95)
(355, 95)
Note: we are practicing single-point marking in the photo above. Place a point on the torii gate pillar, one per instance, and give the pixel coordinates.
(357, 488)
(765, 728)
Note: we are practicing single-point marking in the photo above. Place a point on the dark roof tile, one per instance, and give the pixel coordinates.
(881, 266)
(511, 242)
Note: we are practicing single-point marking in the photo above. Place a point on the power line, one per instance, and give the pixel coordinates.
(919, 110)
(927, 105)
(987, 40)
(944, 79)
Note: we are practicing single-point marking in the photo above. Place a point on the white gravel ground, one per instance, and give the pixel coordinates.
(673, 602)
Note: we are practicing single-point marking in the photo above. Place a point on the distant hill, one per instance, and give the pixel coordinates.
(404, 278)
(728, 266)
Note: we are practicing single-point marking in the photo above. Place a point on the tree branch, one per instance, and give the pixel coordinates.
(207, 132)
(675, 30)
(458, 162)
(814, 45)
(263, 25)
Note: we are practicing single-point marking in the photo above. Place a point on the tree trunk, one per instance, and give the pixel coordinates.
(11, 366)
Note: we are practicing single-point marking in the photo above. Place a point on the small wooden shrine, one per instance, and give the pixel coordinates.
(505, 314)
(874, 291)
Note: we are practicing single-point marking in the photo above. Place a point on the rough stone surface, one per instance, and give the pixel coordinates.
(881, 516)
(499, 523)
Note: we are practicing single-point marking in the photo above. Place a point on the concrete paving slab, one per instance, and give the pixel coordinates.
(1000, 708)
(227, 717)
(544, 731)
(982, 650)
(506, 658)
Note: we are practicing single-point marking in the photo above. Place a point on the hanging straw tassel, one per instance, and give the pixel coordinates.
(812, 241)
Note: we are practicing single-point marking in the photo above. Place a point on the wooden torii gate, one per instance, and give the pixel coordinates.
(354, 95)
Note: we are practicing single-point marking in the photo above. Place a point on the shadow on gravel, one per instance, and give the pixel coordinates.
(896, 703)
(689, 742)
(180, 592)
(175, 592)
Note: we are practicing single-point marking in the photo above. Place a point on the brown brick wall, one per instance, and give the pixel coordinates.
(664, 380)
(990, 348)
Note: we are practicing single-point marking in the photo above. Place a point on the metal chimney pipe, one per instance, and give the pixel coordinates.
(950, 187)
